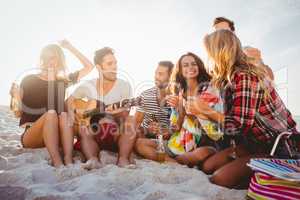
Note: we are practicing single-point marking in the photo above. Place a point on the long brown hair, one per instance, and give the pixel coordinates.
(179, 82)
(225, 49)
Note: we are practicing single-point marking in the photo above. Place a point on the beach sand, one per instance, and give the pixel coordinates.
(26, 174)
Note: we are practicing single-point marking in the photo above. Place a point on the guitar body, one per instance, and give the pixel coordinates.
(80, 106)
(85, 109)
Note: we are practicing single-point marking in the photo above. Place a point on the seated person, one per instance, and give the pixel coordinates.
(187, 143)
(254, 114)
(118, 136)
(152, 116)
(41, 98)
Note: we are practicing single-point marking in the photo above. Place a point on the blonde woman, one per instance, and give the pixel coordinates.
(42, 103)
(254, 113)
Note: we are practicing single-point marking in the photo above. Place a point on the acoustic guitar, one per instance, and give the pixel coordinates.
(85, 109)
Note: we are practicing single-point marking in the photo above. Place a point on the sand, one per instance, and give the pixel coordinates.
(26, 174)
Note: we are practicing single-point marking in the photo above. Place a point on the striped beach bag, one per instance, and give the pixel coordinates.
(275, 179)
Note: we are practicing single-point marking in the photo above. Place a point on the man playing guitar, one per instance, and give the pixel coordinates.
(111, 130)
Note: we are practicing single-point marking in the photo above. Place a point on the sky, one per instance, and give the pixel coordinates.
(144, 32)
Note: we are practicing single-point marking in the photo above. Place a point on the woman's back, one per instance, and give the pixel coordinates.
(256, 108)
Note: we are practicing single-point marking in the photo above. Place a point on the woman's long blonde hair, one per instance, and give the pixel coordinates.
(48, 51)
(225, 49)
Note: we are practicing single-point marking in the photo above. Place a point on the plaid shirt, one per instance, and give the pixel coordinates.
(251, 112)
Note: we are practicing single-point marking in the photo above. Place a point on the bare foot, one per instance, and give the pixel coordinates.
(70, 165)
(170, 160)
(182, 159)
(68, 160)
(56, 164)
(59, 169)
(70, 171)
(123, 162)
(131, 160)
(92, 164)
(59, 165)
(130, 166)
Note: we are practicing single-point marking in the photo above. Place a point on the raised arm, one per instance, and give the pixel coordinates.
(87, 64)
(177, 102)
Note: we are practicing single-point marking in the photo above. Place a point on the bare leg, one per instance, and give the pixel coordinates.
(67, 137)
(198, 155)
(147, 148)
(126, 142)
(89, 148)
(233, 173)
(221, 158)
(51, 137)
(216, 161)
(47, 124)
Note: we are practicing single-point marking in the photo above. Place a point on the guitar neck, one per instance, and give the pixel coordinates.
(92, 112)
(121, 104)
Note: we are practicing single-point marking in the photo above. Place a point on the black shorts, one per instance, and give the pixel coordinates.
(22, 136)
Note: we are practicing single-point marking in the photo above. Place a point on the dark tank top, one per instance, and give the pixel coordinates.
(40, 95)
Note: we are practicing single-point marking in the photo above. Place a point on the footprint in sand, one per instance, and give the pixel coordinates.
(172, 178)
(68, 186)
(156, 195)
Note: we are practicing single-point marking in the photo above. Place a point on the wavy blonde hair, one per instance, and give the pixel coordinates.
(50, 50)
(225, 49)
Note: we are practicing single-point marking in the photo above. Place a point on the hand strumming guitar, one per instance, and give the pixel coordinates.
(117, 112)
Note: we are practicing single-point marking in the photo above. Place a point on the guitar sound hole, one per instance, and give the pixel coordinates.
(95, 127)
(125, 102)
